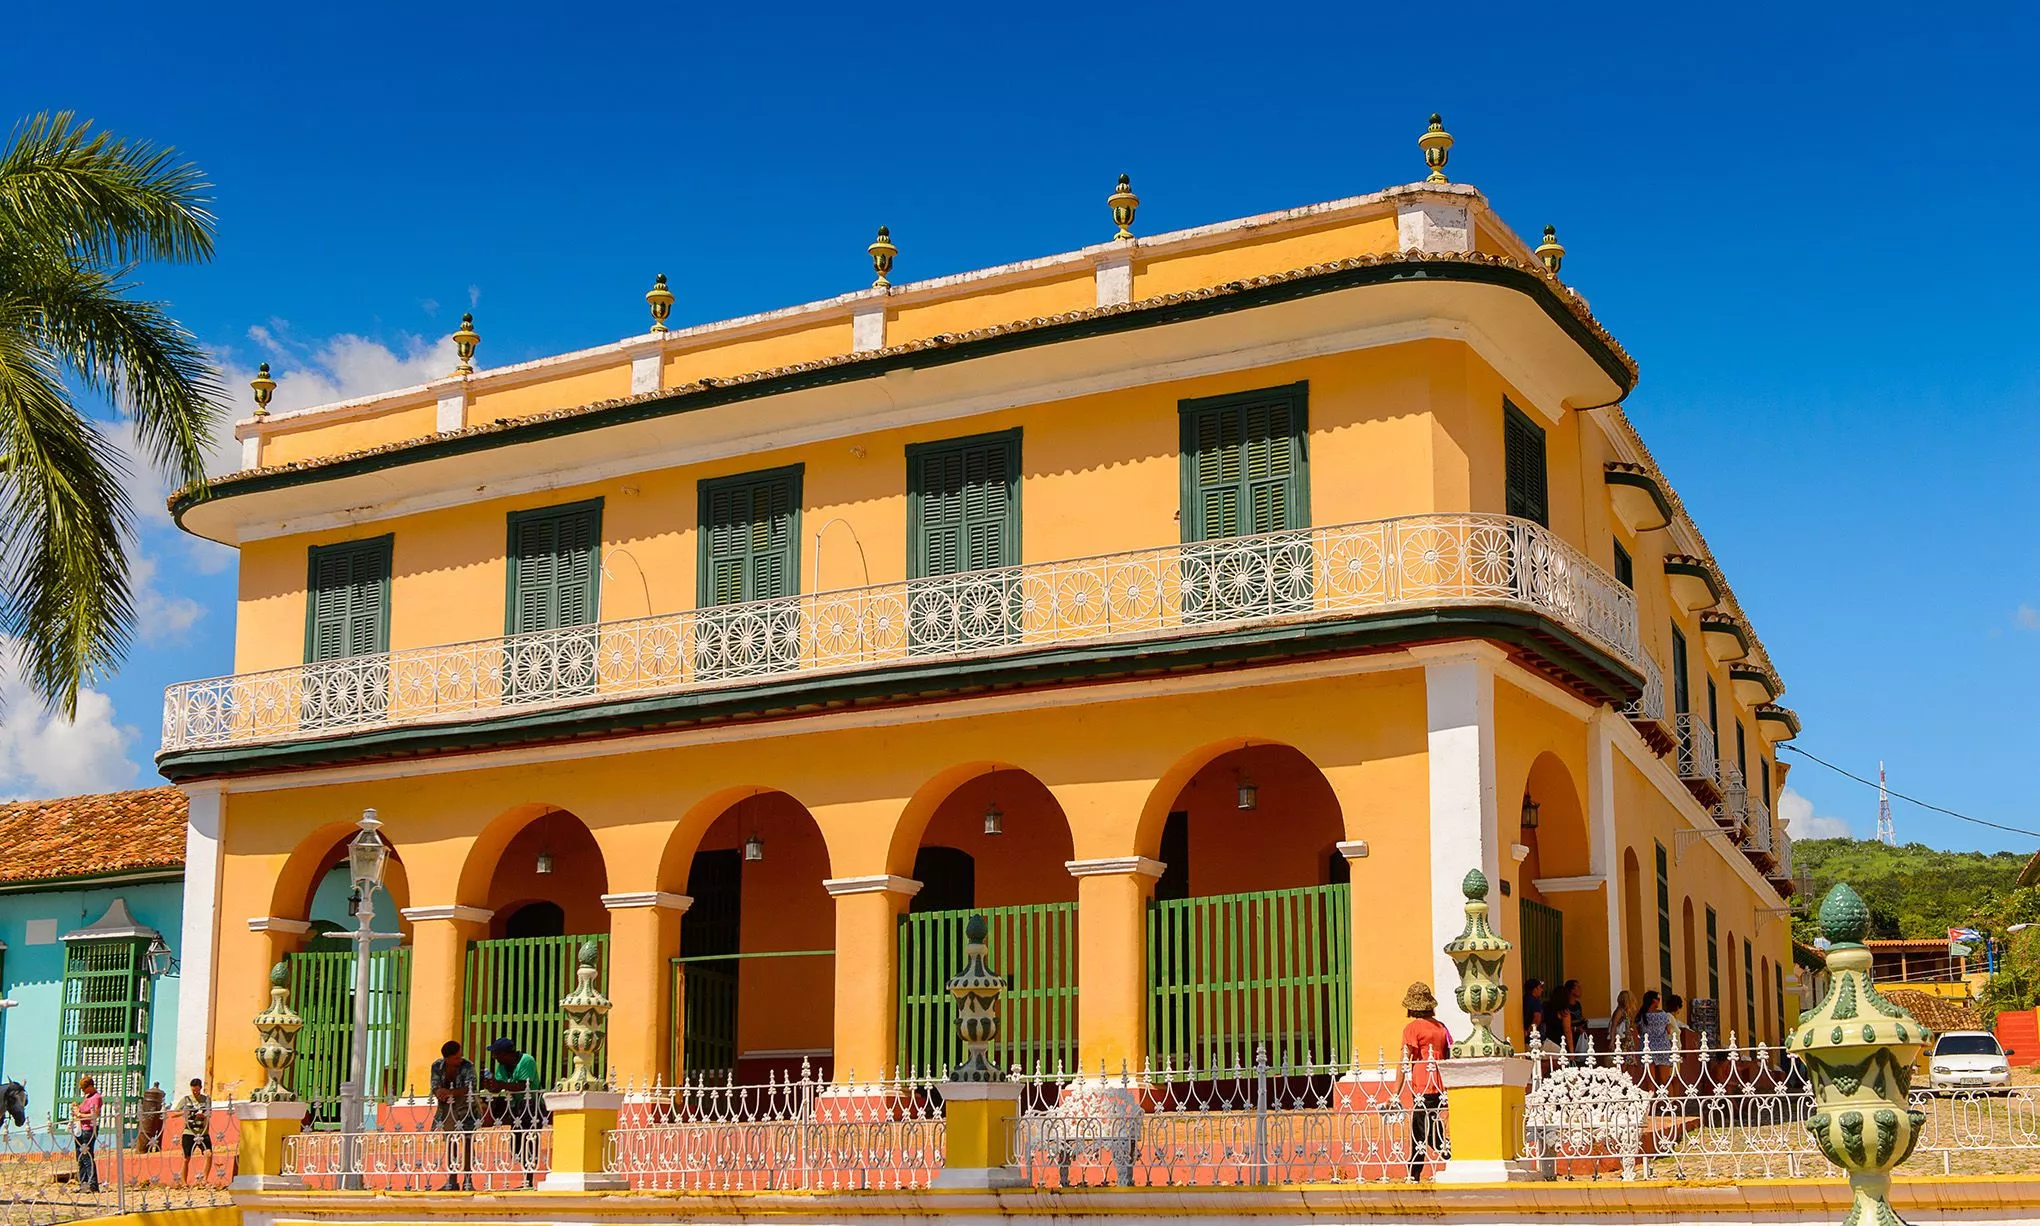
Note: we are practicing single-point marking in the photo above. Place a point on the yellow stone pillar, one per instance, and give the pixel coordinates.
(1112, 898)
(581, 1123)
(977, 1126)
(1487, 1116)
(868, 913)
(259, 1159)
(644, 936)
(439, 943)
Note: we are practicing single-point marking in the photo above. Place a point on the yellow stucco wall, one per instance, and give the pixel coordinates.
(541, 393)
(293, 442)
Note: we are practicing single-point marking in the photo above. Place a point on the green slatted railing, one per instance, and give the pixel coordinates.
(705, 1013)
(1233, 972)
(1033, 946)
(1543, 944)
(322, 991)
(513, 988)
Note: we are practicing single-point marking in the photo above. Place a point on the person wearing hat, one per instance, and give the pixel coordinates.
(1425, 1041)
(513, 1077)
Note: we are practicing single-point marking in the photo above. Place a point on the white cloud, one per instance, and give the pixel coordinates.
(1797, 813)
(42, 754)
(161, 617)
(2027, 618)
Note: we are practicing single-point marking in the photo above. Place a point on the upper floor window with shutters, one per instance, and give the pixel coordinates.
(749, 573)
(554, 574)
(347, 603)
(1525, 485)
(1246, 475)
(963, 533)
(1625, 568)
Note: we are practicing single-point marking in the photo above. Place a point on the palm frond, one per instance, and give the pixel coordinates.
(65, 186)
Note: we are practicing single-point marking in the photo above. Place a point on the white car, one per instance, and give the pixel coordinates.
(1968, 1060)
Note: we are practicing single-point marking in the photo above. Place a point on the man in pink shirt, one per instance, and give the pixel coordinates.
(1425, 1041)
(85, 1133)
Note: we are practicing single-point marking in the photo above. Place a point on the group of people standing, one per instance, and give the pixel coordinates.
(1649, 1028)
(465, 1099)
(196, 1108)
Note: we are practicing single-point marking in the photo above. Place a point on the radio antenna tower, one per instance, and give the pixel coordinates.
(1884, 832)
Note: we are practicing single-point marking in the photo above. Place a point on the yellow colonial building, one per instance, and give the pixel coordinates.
(1199, 607)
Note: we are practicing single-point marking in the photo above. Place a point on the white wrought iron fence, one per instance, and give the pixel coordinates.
(1696, 747)
(490, 1142)
(1757, 832)
(1781, 851)
(1651, 703)
(1235, 1123)
(1733, 809)
(789, 1133)
(1733, 1112)
(1413, 561)
(133, 1165)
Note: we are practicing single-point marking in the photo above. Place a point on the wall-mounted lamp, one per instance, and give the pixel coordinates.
(754, 848)
(1529, 814)
(161, 960)
(1250, 796)
(995, 819)
(545, 864)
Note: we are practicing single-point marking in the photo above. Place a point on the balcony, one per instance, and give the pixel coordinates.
(1697, 767)
(1647, 713)
(1318, 575)
(1780, 873)
(1732, 810)
(1757, 830)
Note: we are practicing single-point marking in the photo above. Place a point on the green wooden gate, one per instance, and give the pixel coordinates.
(322, 991)
(1543, 930)
(1033, 946)
(1233, 972)
(513, 988)
(705, 1018)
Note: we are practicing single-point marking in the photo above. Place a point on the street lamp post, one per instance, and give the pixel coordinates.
(367, 856)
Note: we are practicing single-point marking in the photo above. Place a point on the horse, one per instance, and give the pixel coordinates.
(14, 1102)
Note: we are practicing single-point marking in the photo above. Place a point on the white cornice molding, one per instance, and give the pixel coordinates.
(448, 911)
(1352, 849)
(880, 883)
(656, 899)
(1569, 885)
(276, 923)
(1116, 866)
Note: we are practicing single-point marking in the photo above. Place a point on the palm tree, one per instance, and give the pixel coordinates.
(79, 211)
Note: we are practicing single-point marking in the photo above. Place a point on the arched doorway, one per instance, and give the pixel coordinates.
(543, 890)
(996, 844)
(315, 887)
(754, 981)
(1250, 930)
(1562, 914)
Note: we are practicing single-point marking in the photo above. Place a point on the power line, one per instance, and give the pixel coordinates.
(2031, 834)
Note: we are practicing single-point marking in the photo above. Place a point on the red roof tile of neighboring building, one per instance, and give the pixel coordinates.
(76, 836)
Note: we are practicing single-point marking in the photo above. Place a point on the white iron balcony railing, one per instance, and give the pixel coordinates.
(1757, 828)
(1174, 591)
(1733, 809)
(1781, 855)
(1651, 703)
(1696, 747)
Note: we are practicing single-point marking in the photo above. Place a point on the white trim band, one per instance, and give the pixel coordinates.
(1352, 849)
(658, 899)
(1569, 885)
(448, 911)
(1116, 866)
(276, 923)
(882, 883)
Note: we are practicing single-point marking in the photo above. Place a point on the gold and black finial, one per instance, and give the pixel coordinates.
(464, 342)
(660, 299)
(882, 252)
(1551, 251)
(1436, 143)
(265, 387)
(1123, 203)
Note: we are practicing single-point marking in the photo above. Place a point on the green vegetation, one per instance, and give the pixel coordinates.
(1917, 892)
(80, 213)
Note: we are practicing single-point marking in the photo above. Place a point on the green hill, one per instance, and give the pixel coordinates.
(1915, 891)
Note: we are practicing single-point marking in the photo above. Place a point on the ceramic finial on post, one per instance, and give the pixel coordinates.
(1551, 251)
(1860, 1048)
(1478, 953)
(278, 1026)
(660, 300)
(464, 342)
(264, 388)
(976, 991)
(1436, 143)
(587, 1011)
(882, 252)
(1123, 203)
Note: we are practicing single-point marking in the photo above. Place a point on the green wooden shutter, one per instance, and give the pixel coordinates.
(750, 537)
(1526, 493)
(103, 1027)
(1625, 567)
(1749, 994)
(963, 505)
(1244, 464)
(1664, 921)
(1682, 693)
(1713, 959)
(554, 580)
(1713, 716)
(347, 604)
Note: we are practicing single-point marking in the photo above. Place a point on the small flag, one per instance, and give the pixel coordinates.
(1969, 935)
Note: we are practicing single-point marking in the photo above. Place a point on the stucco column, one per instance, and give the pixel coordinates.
(1601, 832)
(1459, 700)
(868, 913)
(1112, 899)
(198, 952)
(439, 942)
(644, 935)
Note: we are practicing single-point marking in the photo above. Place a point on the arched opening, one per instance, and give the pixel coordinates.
(754, 980)
(1562, 915)
(1632, 922)
(1689, 970)
(995, 844)
(1250, 931)
(540, 873)
(315, 886)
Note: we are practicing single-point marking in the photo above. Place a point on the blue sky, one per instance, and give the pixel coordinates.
(1806, 228)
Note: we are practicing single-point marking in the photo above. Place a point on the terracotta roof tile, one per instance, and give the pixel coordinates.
(1936, 1013)
(73, 836)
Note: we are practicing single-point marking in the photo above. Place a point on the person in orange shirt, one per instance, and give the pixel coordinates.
(1425, 1041)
